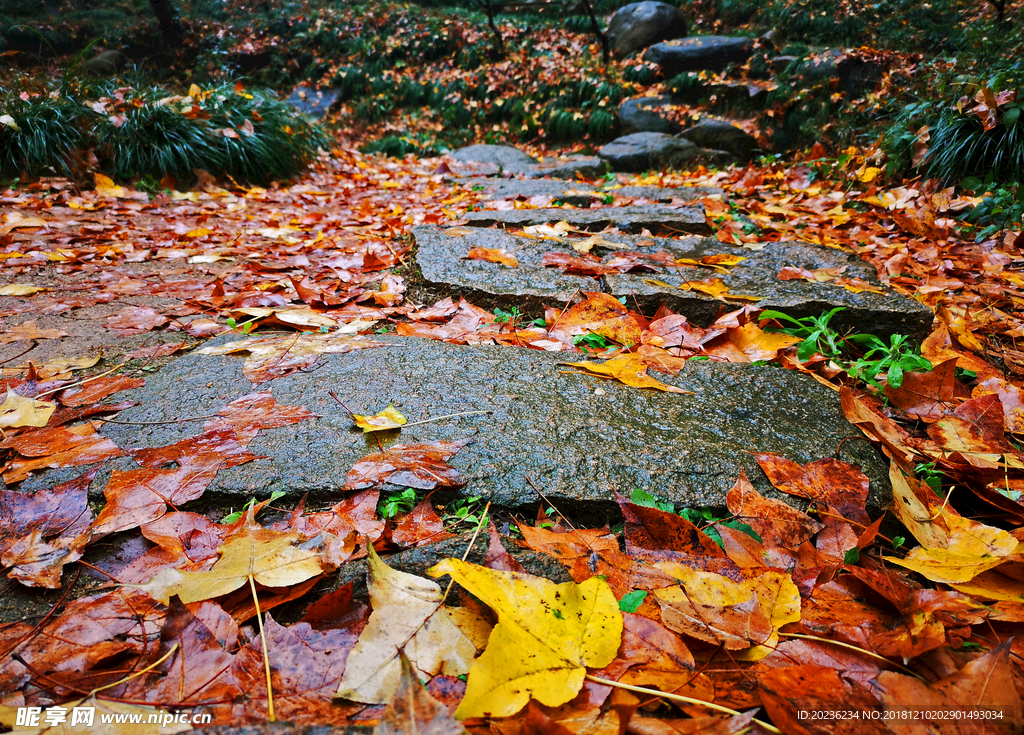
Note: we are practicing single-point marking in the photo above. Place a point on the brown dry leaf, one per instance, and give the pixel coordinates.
(136, 320)
(629, 369)
(413, 710)
(18, 411)
(45, 530)
(408, 617)
(56, 447)
(758, 344)
(493, 255)
(925, 395)
(422, 466)
(419, 527)
(836, 484)
(270, 558)
(27, 331)
(736, 615)
(601, 314)
(789, 692)
(274, 357)
(94, 391)
(771, 519)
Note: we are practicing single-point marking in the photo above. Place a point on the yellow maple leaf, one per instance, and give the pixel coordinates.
(629, 369)
(389, 418)
(546, 637)
(271, 558)
(953, 549)
(721, 262)
(17, 411)
(106, 187)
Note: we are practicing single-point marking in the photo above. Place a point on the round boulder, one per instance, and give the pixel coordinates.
(504, 156)
(722, 135)
(636, 26)
(643, 151)
(700, 53)
(647, 115)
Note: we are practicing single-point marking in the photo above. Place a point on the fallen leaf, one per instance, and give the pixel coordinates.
(106, 187)
(17, 411)
(413, 710)
(270, 558)
(389, 418)
(101, 709)
(771, 519)
(27, 331)
(56, 447)
(546, 636)
(629, 369)
(423, 466)
(408, 616)
(20, 289)
(274, 357)
(493, 255)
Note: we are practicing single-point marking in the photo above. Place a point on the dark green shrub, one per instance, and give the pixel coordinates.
(39, 135)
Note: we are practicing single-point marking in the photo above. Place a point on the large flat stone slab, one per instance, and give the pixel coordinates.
(688, 219)
(442, 261)
(578, 438)
(440, 256)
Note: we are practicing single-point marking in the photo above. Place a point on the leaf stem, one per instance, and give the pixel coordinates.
(266, 655)
(853, 648)
(137, 673)
(441, 418)
(679, 698)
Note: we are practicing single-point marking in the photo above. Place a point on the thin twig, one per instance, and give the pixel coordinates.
(41, 623)
(679, 698)
(83, 382)
(266, 655)
(442, 418)
(31, 347)
(483, 517)
(852, 648)
(155, 423)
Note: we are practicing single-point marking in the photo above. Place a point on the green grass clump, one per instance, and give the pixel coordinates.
(39, 134)
(146, 131)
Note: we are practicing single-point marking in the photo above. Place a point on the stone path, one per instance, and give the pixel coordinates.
(578, 438)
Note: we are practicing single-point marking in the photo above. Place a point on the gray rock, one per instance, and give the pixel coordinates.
(440, 257)
(662, 194)
(106, 64)
(628, 219)
(577, 194)
(857, 76)
(636, 26)
(314, 102)
(442, 261)
(824, 66)
(740, 94)
(643, 151)
(647, 115)
(780, 63)
(576, 443)
(700, 53)
(722, 135)
(503, 156)
(881, 314)
(577, 167)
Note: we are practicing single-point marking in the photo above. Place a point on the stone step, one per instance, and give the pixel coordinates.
(687, 219)
(579, 439)
(579, 194)
(441, 256)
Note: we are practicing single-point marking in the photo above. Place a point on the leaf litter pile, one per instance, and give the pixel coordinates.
(727, 621)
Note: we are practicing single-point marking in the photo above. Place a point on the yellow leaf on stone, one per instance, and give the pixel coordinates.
(198, 232)
(17, 411)
(271, 558)
(19, 289)
(408, 616)
(389, 418)
(546, 637)
(721, 262)
(106, 187)
(589, 243)
(868, 175)
(629, 369)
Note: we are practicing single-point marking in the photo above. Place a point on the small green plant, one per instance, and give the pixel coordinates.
(591, 342)
(232, 517)
(243, 328)
(894, 359)
(706, 519)
(507, 317)
(898, 541)
(930, 476)
(395, 504)
(631, 601)
(1001, 206)
(645, 499)
(815, 331)
(465, 511)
